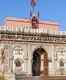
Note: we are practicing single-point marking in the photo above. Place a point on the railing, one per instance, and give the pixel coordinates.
(31, 30)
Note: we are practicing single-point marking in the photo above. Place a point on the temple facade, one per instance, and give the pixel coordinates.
(32, 52)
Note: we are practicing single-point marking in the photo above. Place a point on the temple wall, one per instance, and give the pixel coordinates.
(26, 53)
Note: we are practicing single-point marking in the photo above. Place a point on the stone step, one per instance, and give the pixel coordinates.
(57, 78)
(24, 77)
(36, 78)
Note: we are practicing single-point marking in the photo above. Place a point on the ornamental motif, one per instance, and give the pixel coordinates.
(18, 62)
(33, 36)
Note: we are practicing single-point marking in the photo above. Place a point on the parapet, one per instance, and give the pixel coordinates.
(14, 22)
(23, 29)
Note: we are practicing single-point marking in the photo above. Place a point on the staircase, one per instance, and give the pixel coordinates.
(21, 77)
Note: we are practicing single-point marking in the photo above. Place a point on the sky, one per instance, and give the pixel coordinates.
(53, 10)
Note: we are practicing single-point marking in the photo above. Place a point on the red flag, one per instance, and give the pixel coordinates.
(33, 2)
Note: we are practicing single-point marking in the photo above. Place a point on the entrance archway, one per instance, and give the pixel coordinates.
(40, 62)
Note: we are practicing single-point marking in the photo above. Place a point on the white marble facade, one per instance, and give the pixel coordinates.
(22, 52)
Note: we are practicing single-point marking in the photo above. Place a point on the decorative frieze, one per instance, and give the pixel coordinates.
(41, 37)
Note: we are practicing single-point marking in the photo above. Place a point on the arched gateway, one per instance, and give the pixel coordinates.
(40, 63)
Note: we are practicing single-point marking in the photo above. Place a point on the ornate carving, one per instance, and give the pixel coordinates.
(18, 62)
(43, 37)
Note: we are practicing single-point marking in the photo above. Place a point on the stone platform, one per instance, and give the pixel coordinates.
(23, 77)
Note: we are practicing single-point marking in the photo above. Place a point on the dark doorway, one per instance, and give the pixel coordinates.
(36, 63)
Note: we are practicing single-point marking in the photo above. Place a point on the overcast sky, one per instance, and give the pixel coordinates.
(54, 10)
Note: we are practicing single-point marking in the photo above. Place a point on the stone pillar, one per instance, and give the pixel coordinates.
(45, 66)
(29, 64)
